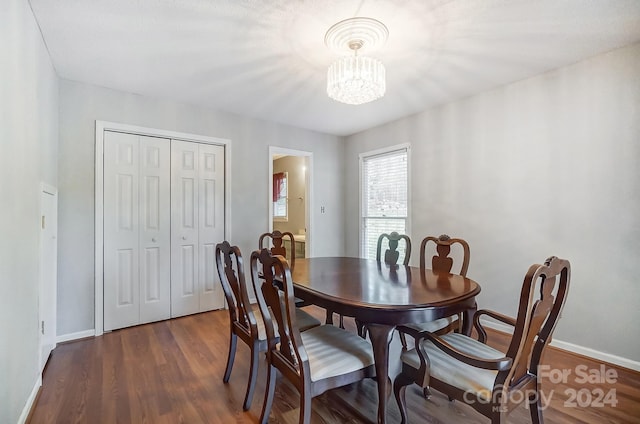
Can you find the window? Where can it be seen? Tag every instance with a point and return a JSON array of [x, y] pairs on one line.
[[384, 193], [280, 196]]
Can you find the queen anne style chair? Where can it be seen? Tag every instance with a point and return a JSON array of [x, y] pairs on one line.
[[492, 382], [244, 321], [314, 361], [277, 246], [391, 255], [441, 262]]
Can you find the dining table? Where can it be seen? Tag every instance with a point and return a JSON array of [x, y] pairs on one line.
[[382, 296]]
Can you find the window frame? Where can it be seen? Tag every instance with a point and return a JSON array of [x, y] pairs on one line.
[[362, 201], [285, 217]]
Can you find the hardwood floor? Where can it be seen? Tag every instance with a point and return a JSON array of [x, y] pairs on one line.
[[171, 372]]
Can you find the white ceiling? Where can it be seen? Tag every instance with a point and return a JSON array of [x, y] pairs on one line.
[[267, 59]]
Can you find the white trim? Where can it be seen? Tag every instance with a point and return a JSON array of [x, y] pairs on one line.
[[101, 127], [378, 152], [75, 336], [574, 348], [30, 401], [310, 222]]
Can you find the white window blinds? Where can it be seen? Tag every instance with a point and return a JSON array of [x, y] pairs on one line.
[[384, 197]]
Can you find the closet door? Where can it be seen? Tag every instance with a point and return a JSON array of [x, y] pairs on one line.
[[184, 228], [211, 229], [197, 224], [136, 229], [155, 230]]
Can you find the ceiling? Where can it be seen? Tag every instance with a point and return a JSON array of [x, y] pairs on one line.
[[267, 59]]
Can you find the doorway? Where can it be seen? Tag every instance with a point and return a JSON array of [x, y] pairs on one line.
[[48, 271], [290, 196]]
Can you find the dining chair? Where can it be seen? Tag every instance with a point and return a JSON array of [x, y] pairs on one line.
[[490, 381], [245, 321], [314, 361], [440, 262], [390, 257], [277, 245], [278, 248], [391, 254]]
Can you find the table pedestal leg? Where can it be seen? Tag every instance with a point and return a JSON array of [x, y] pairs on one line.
[[380, 336], [467, 320]]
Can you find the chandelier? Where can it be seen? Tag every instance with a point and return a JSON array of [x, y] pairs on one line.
[[356, 79]]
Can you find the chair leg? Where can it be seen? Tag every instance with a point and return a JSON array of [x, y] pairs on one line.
[[268, 395], [329, 319], [497, 414], [361, 328], [253, 376], [233, 342], [399, 388], [305, 408], [535, 408], [426, 392]]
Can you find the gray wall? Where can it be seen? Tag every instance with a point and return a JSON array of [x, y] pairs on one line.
[[82, 104], [545, 166], [28, 156]]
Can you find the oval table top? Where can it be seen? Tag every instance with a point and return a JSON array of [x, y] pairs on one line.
[[353, 286]]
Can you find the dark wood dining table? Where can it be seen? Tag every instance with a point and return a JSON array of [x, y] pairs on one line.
[[382, 297]]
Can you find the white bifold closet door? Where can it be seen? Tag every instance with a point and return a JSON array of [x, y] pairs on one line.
[[137, 229], [197, 225]]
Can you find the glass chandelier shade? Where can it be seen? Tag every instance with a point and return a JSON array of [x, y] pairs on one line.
[[355, 80]]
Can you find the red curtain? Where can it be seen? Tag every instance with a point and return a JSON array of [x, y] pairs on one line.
[[277, 185]]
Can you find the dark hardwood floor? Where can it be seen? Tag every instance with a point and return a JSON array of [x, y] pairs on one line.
[[171, 372]]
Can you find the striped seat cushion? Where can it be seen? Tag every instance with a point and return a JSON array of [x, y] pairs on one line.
[[333, 351], [455, 373], [433, 326], [304, 321]]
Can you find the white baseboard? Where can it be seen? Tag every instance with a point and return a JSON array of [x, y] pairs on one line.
[[30, 401], [580, 350], [75, 336]]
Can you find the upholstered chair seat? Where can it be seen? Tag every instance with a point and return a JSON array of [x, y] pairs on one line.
[[305, 321], [333, 351], [446, 368]]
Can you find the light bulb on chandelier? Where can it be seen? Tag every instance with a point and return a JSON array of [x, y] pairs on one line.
[[356, 79]]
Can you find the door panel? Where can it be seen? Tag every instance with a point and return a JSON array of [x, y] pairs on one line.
[[136, 229], [121, 282], [212, 223], [155, 229], [184, 228], [197, 226], [48, 272]]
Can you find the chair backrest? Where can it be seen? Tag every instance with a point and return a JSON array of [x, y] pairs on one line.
[[277, 245], [277, 303], [391, 255], [543, 295], [442, 262], [231, 273]]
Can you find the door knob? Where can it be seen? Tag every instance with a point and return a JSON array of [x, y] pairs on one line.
[[184, 237], [153, 239]]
